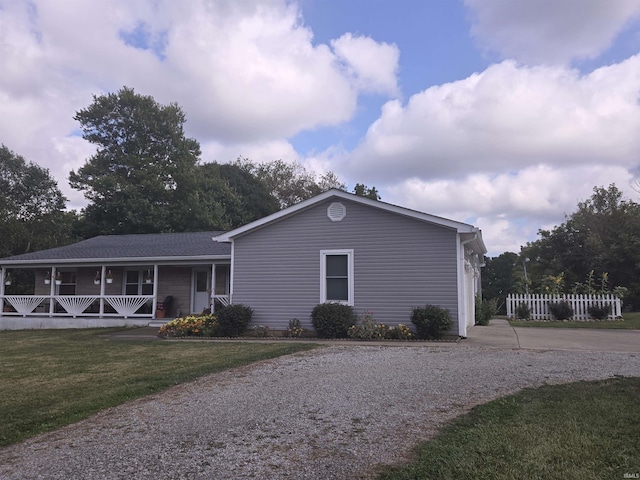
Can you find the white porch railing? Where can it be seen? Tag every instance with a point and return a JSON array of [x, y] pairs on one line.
[[223, 299], [127, 305], [539, 310], [24, 304], [75, 305]]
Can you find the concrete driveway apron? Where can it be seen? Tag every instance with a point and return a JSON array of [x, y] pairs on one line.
[[499, 334]]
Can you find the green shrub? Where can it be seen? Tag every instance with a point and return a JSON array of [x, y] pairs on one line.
[[295, 329], [332, 320], [210, 327], [233, 320], [261, 331], [599, 312], [485, 310], [368, 329], [561, 310], [399, 332], [431, 321], [523, 312]]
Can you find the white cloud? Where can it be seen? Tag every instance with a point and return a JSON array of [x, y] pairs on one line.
[[501, 235], [257, 152], [243, 71], [247, 74], [374, 65], [549, 31], [254, 74], [510, 207], [506, 118]]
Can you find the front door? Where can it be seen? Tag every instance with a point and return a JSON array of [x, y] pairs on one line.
[[201, 290]]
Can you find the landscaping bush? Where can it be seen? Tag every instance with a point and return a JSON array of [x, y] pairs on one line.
[[599, 312], [561, 310], [295, 329], [431, 321], [233, 320], [485, 310], [190, 326], [523, 312], [368, 329], [399, 332], [261, 331], [332, 320]]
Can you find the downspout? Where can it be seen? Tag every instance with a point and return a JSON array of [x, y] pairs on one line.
[[2, 273], [232, 271], [462, 326]]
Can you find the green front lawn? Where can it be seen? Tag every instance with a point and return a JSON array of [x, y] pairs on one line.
[[53, 378], [573, 431], [631, 321]]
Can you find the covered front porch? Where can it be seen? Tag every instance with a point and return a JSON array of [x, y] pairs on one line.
[[118, 293]]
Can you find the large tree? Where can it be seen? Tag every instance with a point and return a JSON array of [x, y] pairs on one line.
[[499, 278], [32, 215], [142, 177], [248, 198], [290, 183], [230, 197], [602, 235]]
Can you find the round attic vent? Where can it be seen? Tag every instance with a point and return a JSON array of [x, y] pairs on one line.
[[336, 212]]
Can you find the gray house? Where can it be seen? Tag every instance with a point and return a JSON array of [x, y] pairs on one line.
[[339, 247], [335, 247]]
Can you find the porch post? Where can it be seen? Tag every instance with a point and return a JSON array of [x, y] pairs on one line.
[[103, 281], [2, 273], [212, 298], [52, 291], [155, 289]]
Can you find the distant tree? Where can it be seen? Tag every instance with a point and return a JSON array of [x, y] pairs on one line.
[[32, 215], [499, 279], [364, 191], [290, 183], [142, 177], [602, 235], [330, 180]]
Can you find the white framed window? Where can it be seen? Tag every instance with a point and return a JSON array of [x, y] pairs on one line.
[[336, 276], [69, 280], [138, 282]]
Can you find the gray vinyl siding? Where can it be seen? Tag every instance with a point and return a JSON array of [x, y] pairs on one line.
[[399, 263]]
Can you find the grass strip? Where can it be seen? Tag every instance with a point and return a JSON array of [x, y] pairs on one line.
[[51, 378], [631, 322], [572, 431]]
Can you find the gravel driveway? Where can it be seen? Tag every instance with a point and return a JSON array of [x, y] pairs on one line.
[[334, 412]]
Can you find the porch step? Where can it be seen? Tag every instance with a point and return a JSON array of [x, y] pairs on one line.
[[157, 323]]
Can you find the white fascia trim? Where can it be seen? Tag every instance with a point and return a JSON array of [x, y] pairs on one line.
[[231, 272], [476, 240], [117, 261], [458, 226], [323, 275]]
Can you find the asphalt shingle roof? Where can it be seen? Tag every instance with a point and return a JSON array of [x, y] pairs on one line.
[[152, 245]]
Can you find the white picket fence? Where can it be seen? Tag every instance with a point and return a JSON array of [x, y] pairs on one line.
[[538, 305]]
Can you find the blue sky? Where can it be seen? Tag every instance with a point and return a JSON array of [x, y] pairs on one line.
[[500, 113], [432, 37]]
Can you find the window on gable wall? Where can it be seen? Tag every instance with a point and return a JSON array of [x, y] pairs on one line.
[[336, 276]]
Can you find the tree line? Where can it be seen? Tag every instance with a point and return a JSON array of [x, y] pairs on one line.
[[596, 249], [145, 177]]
